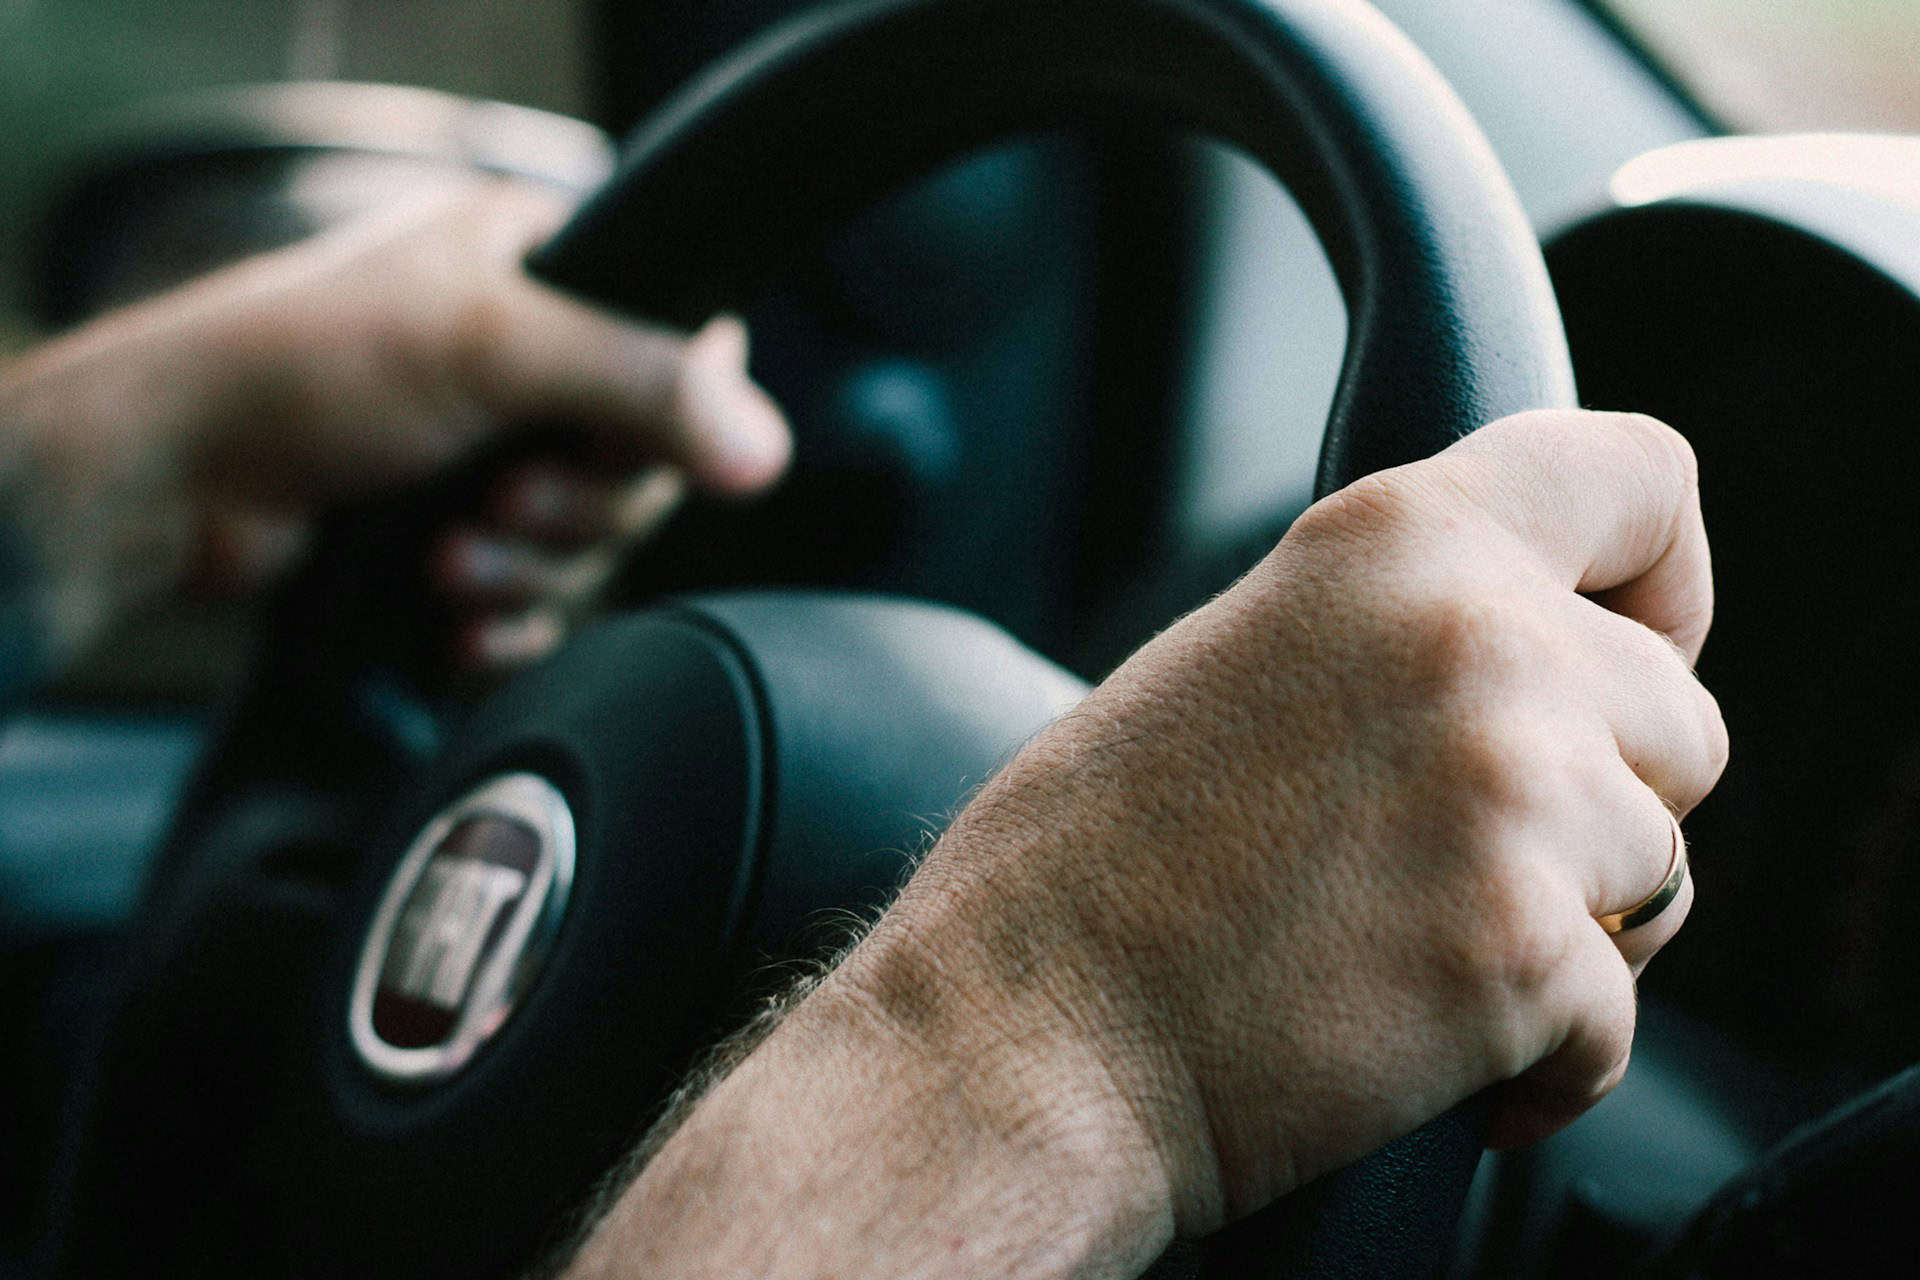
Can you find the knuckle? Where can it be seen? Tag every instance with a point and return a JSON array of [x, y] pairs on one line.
[[1468, 641], [1702, 727], [1699, 739], [1386, 504], [1652, 656], [1510, 950], [1717, 744], [1522, 952], [1496, 768], [1666, 450]]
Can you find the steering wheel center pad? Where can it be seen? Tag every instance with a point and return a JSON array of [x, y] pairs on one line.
[[1453, 321]]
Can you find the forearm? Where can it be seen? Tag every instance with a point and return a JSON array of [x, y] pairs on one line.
[[94, 468], [851, 1144], [198, 433]]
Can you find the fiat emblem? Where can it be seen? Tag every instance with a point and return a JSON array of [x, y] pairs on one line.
[[462, 929]]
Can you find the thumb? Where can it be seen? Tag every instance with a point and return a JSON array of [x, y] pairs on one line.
[[647, 393], [736, 437]]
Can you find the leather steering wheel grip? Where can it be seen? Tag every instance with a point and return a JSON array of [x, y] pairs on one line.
[[1452, 319]]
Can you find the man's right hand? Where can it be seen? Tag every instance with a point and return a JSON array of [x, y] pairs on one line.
[[1322, 860]]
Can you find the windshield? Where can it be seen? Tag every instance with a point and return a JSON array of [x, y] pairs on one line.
[[1790, 64]]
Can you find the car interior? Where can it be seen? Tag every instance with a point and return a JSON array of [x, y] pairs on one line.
[[1064, 357]]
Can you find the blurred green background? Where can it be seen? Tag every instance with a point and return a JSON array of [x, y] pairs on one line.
[[68, 66]]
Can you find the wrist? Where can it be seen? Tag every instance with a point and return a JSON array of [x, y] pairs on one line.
[[94, 482], [1008, 1070], [1061, 958], [893, 1124]]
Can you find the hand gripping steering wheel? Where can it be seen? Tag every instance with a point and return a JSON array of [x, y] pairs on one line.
[[565, 910]]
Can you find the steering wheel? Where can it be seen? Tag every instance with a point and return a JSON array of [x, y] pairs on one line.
[[550, 924]]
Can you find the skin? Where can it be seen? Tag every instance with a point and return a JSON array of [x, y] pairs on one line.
[[1320, 861], [191, 439]]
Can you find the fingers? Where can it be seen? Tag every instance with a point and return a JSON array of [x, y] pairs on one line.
[[1607, 831], [554, 535], [1638, 945], [551, 537], [410, 341], [645, 393], [1609, 502], [563, 505], [1667, 727], [1596, 991], [660, 410], [502, 643], [490, 572], [1630, 838], [537, 354], [511, 600], [1672, 748]]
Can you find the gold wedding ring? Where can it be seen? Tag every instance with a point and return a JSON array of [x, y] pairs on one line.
[[1657, 901]]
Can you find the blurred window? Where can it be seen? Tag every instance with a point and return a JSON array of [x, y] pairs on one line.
[[1782, 65]]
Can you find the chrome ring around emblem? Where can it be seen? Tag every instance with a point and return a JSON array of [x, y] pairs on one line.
[[462, 929]]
